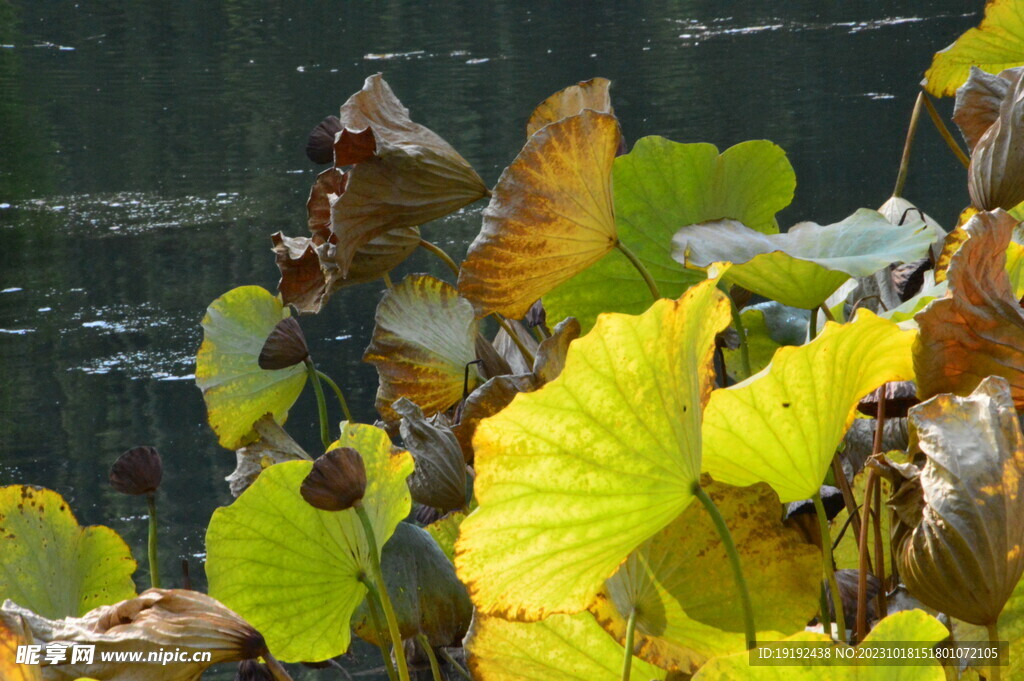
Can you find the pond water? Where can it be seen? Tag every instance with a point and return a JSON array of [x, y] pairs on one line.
[[148, 150]]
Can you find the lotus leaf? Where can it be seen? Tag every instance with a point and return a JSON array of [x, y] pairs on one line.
[[574, 476], [51, 564], [588, 94], [659, 186], [977, 103], [782, 426], [445, 531], [273, 446], [550, 216], [236, 390], [293, 570], [15, 632], [440, 476], [996, 173]]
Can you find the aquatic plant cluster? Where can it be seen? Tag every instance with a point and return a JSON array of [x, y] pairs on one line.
[[694, 436]]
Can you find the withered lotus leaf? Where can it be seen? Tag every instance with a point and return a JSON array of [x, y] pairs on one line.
[[550, 216], [588, 94], [424, 337], [996, 173], [487, 400], [439, 479], [977, 103], [273, 446], [158, 620], [550, 358], [403, 174], [967, 554], [977, 330]]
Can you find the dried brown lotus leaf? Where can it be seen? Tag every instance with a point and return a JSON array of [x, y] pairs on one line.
[[492, 362], [488, 400], [996, 173], [550, 216], [439, 479], [508, 349], [977, 330], [550, 357], [273, 446], [977, 104], [967, 554], [588, 94]]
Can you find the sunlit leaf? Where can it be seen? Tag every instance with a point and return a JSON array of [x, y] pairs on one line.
[[273, 446], [574, 476], [428, 599], [806, 264], [445, 531], [588, 94], [967, 554], [51, 564], [404, 174], [236, 390], [488, 400], [549, 218], [782, 426], [559, 648], [423, 340], [761, 346], [978, 329], [293, 570], [158, 621], [898, 630], [682, 586], [15, 632], [993, 46], [658, 187]]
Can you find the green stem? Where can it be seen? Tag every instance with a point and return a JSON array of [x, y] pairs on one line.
[[648, 279], [337, 392], [435, 670], [627, 657], [321, 402], [996, 673], [737, 321], [828, 313], [812, 329], [439, 252], [826, 621], [947, 136], [734, 560], [154, 563], [826, 561], [385, 598], [373, 600], [455, 663], [901, 176], [387, 281], [523, 350]]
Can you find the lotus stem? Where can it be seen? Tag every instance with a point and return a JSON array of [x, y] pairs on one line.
[[826, 562], [627, 657], [947, 136], [882, 606], [373, 600], [826, 621], [154, 563], [737, 321], [734, 560], [385, 598], [901, 176], [996, 674], [275, 668], [862, 558], [321, 402], [648, 279], [455, 663], [435, 670], [827, 312], [876, 499], [812, 326], [439, 252], [523, 350], [337, 393], [852, 510], [387, 281]]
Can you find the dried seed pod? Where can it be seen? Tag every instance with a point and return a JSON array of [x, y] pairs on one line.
[[336, 482], [320, 145], [285, 346], [252, 670], [137, 471]]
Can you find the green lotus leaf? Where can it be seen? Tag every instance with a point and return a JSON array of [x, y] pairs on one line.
[[236, 390], [53, 566], [559, 648], [423, 340], [659, 186], [445, 531], [683, 589], [993, 46], [574, 476], [906, 627], [782, 426], [427, 596], [761, 346], [293, 570], [804, 266]]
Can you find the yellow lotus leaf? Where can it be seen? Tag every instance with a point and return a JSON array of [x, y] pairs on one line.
[[782, 426], [574, 476], [588, 94], [550, 216], [15, 632]]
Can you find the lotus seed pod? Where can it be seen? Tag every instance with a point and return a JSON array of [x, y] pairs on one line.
[[137, 471], [336, 482], [285, 346]]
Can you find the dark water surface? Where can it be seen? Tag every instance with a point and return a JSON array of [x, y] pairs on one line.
[[148, 150]]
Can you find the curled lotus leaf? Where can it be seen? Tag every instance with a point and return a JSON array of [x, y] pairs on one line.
[[273, 445], [408, 175], [996, 173], [587, 94], [977, 103], [156, 621], [292, 570], [51, 564], [993, 46], [427, 596], [236, 390], [558, 648], [14, 633], [658, 186], [682, 587], [574, 476], [782, 426], [440, 476], [550, 216], [423, 340], [488, 400], [967, 554], [977, 330], [805, 265]]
